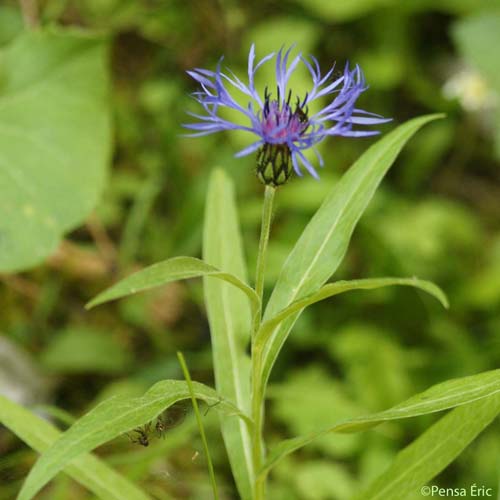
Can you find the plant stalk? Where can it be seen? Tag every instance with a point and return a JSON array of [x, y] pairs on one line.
[[258, 451], [189, 383], [257, 394], [267, 212]]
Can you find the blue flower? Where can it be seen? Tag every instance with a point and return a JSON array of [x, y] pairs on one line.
[[284, 127]]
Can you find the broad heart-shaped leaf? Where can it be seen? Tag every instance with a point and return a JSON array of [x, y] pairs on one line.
[[88, 470], [111, 418], [340, 287], [429, 454], [54, 140], [449, 394], [178, 268], [230, 322], [323, 243]]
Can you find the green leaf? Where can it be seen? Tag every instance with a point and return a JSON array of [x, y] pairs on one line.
[[178, 268], [199, 421], [323, 244], [449, 394], [230, 322], [55, 139], [428, 455], [110, 419], [88, 470], [341, 287]]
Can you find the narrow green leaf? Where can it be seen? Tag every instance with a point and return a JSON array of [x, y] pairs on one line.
[[199, 421], [340, 287], [443, 396], [230, 322], [323, 244], [110, 419], [88, 470], [429, 454], [178, 268], [55, 139]]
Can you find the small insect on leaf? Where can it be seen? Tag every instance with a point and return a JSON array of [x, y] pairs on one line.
[[142, 435], [171, 417], [211, 406]]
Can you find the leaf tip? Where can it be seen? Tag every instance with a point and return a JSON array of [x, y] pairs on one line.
[[96, 301], [90, 304], [434, 116], [445, 301], [441, 296]]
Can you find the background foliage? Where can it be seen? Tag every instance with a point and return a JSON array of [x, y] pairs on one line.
[[436, 216]]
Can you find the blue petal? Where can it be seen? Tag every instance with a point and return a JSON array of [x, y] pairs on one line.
[[249, 149], [306, 164]]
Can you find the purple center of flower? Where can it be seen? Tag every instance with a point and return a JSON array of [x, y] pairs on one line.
[[281, 122]]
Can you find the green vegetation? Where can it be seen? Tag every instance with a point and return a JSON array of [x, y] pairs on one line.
[[374, 393]]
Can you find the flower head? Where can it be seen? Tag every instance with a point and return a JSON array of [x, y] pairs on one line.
[[282, 122]]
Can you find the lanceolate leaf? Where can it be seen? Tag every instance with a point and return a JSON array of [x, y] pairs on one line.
[[88, 470], [449, 394], [110, 419], [178, 268], [55, 140], [428, 455], [321, 247], [230, 322], [341, 287]]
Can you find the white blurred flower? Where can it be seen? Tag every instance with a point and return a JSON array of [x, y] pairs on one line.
[[471, 89]]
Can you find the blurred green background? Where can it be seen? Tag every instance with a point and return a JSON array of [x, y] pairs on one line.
[[436, 216]]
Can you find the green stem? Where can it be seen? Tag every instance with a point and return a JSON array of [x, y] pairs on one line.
[[258, 424], [187, 376], [267, 212], [257, 394]]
